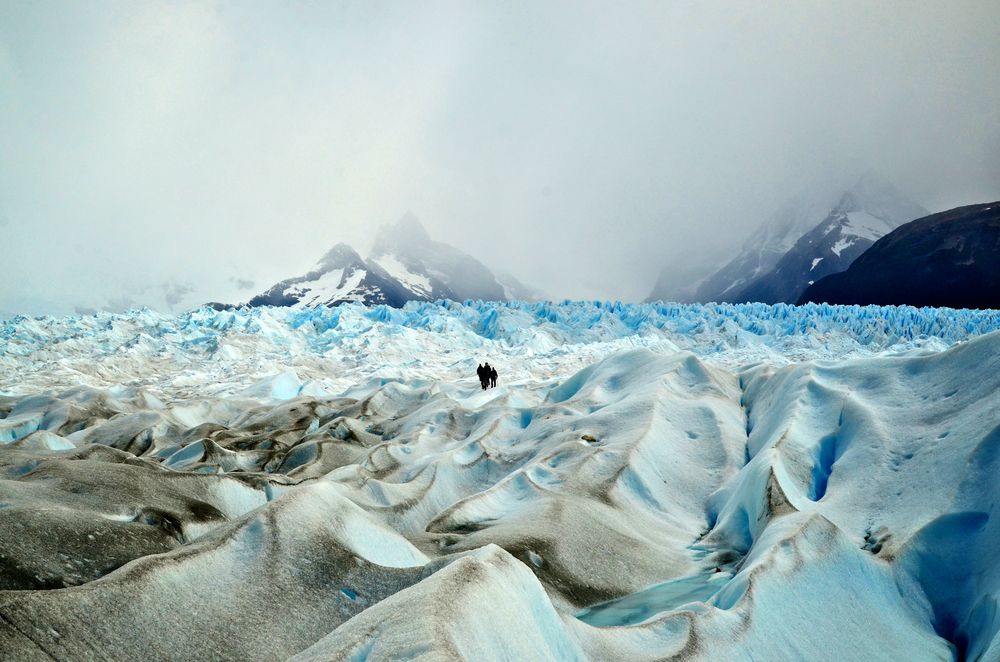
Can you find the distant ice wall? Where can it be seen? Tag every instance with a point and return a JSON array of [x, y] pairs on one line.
[[445, 339]]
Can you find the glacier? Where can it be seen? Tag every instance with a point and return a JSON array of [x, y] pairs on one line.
[[647, 481]]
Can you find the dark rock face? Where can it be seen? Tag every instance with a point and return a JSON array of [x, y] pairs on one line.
[[950, 259]]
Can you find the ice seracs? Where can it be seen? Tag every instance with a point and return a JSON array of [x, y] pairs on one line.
[[291, 351]]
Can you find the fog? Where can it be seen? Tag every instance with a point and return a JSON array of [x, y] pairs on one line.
[[203, 151]]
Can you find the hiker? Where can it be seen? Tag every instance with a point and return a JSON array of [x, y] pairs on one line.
[[487, 371], [493, 377], [481, 371]]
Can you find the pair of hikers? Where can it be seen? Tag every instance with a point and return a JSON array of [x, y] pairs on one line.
[[487, 376]]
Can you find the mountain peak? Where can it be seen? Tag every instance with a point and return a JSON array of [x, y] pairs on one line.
[[405, 265], [876, 195], [338, 257], [870, 180], [808, 238], [407, 232]]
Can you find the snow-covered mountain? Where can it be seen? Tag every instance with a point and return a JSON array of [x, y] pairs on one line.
[[868, 211], [646, 482], [760, 252], [947, 259], [339, 276], [407, 252], [405, 265], [804, 240]]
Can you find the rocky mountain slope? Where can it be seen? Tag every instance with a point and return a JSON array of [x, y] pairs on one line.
[[760, 252], [340, 276], [803, 241], [948, 259], [868, 211]]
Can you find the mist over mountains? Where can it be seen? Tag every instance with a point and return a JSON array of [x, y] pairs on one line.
[[152, 148], [806, 239], [405, 264]]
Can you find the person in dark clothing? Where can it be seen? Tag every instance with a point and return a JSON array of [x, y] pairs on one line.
[[486, 375], [481, 371], [493, 377]]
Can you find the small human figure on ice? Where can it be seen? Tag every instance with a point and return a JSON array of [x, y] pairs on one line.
[[487, 376]]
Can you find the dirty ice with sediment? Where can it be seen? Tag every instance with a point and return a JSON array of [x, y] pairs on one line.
[[720, 482]]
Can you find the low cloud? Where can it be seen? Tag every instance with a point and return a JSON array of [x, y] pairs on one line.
[[580, 146]]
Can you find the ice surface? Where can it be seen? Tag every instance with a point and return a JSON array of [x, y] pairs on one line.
[[646, 482], [332, 350]]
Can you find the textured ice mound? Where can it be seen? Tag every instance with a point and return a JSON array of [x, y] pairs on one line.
[[647, 482]]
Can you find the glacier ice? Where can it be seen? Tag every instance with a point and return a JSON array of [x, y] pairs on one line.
[[331, 350], [646, 482]]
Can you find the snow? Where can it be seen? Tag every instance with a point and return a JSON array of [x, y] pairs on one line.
[[646, 481], [792, 220], [842, 243], [739, 281], [395, 268], [332, 286], [866, 226], [819, 259]]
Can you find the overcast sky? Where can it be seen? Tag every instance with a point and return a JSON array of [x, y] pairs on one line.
[[581, 146]]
